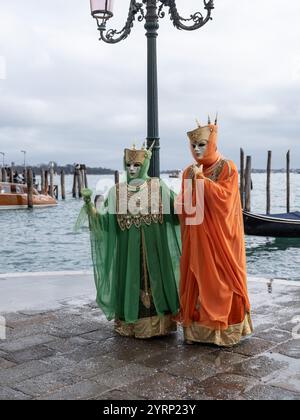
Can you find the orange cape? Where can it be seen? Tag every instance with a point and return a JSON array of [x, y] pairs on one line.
[[213, 287]]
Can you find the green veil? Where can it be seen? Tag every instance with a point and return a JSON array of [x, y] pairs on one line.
[[116, 256]]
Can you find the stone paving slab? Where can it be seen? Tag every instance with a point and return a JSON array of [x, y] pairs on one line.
[[81, 390], [71, 352], [4, 364], [18, 373], [25, 342], [10, 394], [227, 386], [29, 354], [267, 393], [46, 384]]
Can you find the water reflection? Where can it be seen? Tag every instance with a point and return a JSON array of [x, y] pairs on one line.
[[255, 246], [44, 240], [273, 257]]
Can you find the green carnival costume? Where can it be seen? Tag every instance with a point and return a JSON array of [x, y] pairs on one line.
[[135, 241]]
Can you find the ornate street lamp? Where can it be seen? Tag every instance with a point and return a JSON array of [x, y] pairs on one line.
[[150, 11]]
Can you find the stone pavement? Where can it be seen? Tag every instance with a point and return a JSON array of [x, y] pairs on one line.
[[71, 352]]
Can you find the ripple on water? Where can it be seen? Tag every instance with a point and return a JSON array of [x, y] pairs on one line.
[[44, 239]]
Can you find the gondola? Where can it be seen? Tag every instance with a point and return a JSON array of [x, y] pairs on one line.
[[276, 225]]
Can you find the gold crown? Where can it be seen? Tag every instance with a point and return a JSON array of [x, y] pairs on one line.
[[134, 155], [201, 133]]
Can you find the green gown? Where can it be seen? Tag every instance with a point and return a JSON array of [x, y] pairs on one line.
[[136, 259]]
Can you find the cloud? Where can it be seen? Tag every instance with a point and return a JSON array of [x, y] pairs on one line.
[[2, 68], [68, 97]]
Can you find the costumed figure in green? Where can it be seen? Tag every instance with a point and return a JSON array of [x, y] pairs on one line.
[[135, 241]]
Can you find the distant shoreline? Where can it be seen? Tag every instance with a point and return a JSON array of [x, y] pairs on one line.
[[254, 171], [69, 170]]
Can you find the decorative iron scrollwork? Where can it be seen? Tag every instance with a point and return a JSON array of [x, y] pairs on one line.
[[113, 36], [197, 19], [137, 9], [161, 13]]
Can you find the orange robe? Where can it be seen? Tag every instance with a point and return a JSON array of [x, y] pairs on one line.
[[215, 307]]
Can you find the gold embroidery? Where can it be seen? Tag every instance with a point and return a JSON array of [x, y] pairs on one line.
[[147, 202], [200, 133], [228, 338], [215, 171], [214, 176], [135, 156], [146, 293], [146, 298], [147, 327]]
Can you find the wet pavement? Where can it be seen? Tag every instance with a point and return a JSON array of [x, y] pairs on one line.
[[72, 352]]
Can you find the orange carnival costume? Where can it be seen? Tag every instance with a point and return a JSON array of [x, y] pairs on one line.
[[215, 307]]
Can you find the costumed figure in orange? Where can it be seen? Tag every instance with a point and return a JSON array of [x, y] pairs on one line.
[[215, 307]]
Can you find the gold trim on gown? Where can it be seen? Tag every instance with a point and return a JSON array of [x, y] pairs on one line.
[[149, 323], [197, 333], [154, 326], [226, 338]]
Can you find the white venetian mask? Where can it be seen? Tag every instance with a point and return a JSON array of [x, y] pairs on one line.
[[133, 170], [199, 148]]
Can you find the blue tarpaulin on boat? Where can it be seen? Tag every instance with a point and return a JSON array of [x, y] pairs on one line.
[[288, 216]]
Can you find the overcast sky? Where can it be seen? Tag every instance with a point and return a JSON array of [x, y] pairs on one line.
[[67, 97]]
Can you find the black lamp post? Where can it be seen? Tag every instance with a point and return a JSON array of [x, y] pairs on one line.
[[150, 11]]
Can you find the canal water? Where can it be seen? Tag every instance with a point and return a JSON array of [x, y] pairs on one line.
[[44, 239]]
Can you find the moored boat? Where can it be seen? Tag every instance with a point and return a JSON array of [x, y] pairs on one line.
[[285, 225], [176, 174], [14, 196]]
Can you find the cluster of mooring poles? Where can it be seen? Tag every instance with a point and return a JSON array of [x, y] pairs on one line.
[[5, 175], [47, 187], [80, 180], [28, 177], [246, 181]]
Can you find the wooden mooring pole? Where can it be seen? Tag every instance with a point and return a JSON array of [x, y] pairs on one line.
[[29, 177], [11, 174], [269, 170], [117, 177], [288, 182], [42, 181], [51, 182], [74, 189], [84, 176], [79, 182], [248, 184], [63, 184], [4, 175], [242, 177], [25, 176], [46, 183]]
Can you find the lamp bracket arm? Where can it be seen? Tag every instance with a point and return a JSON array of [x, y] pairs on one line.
[[113, 36], [195, 21]]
